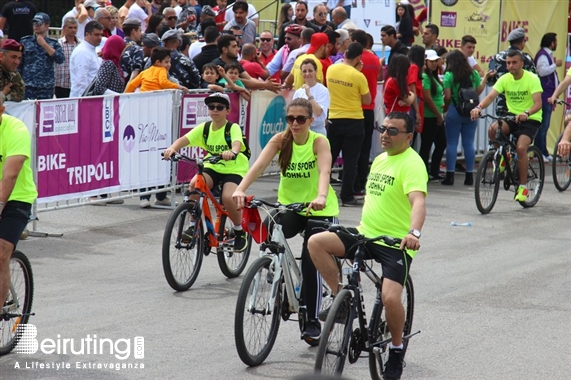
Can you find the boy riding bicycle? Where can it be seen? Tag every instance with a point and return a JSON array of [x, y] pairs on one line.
[[235, 165], [523, 97]]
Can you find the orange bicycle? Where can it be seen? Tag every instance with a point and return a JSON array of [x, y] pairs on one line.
[[190, 234]]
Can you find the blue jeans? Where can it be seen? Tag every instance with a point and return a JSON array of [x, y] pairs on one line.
[[541, 138], [457, 126]]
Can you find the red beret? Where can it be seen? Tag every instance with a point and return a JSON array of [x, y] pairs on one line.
[[12, 45], [294, 29]]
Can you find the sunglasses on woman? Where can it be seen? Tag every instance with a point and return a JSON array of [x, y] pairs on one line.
[[213, 107], [392, 131], [299, 119]]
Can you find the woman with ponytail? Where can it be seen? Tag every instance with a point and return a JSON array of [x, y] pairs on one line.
[[305, 167]]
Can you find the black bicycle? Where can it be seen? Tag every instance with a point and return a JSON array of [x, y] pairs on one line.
[[338, 339], [17, 307], [561, 165], [500, 164]]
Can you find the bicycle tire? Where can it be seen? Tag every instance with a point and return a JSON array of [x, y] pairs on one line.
[[487, 183], [182, 262], [379, 331], [535, 177], [336, 335], [22, 279], [253, 344], [231, 263], [561, 167]]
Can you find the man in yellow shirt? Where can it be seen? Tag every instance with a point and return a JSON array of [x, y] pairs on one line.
[[348, 91]]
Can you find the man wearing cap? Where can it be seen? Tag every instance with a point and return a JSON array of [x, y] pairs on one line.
[[12, 87], [516, 39], [182, 68], [132, 58], [240, 20], [68, 42], [316, 52], [18, 16], [84, 63], [306, 34], [292, 38], [142, 11], [300, 19], [150, 42], [40, 54]]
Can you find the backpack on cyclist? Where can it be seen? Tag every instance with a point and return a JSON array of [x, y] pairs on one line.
[[468, 98], [247, 152]]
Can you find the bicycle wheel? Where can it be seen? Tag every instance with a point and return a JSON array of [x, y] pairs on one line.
[[487, 182], [561, 167], [380, 335], [535, 176], [182, 260], [335, 336], [18, 301], [257, 322], [231, 263]]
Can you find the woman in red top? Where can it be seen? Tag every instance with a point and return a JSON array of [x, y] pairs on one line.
[[397, 96]]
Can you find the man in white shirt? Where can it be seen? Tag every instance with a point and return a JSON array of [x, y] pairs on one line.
[[252, 13], [84, 63], [84, 11], [142, 11], [467, 47]]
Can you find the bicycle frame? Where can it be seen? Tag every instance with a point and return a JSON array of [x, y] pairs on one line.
[[505, 145]]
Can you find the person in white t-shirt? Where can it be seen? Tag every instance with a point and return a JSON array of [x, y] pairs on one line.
[[316, 93], [84, 11], [142, 11], [252, 15], [467, 48]]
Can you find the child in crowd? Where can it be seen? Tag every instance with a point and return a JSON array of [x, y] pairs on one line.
[[155, 77], [233, 72], [215, 78]]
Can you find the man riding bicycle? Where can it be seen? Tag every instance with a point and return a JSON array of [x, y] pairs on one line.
[[394, 206], [17, 190], [235, 165], [564, 147], [523, 97]]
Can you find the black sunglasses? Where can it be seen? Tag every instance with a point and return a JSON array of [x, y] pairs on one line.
[[322, 14], [238, 36], [213, 107], [392, 131], [300, 119], [171, 18], [266, 39]]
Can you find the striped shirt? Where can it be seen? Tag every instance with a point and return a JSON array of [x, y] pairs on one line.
[[62, 69]]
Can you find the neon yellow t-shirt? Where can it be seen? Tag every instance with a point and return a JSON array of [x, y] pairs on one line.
[[301, 180], [519, 93], [15, 141], [569, 72], [346, 84], [298, 76], [217, 144], [387, 209]]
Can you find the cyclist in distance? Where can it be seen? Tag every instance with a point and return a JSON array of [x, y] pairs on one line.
[[17, 190], [523, 98], [394, 206], [564, 146], [235, 166], [305, 166]]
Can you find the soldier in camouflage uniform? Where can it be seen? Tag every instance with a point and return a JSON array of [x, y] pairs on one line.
[[182, 68], [12, 85], [516, 39], [132, 58], [40, 54]]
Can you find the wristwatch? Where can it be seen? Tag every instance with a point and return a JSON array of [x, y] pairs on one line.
[[526, 112], [415, 233]]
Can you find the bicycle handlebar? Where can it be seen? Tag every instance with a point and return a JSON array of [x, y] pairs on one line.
[[295, 207], [213, 159], [361, 239], [499, 118], [562, 102]]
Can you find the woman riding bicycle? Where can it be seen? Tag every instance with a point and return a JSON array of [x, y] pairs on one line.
[[305, 163], [233, 169]]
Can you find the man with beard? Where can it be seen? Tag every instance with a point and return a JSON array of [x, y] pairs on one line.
[[12, 87], [301, 11]]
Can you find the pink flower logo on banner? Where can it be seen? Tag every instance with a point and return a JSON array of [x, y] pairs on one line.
[[49, 115], [129, 138]]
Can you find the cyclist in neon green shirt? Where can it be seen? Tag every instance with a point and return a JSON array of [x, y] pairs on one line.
[[305, 163], [236, 164], [17, 190], [564, 147], [523, 97], [395, 206]]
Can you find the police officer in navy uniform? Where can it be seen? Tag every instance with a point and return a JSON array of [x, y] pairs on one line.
[[183, 68], [132, 58], [12, 87], [40, 54]]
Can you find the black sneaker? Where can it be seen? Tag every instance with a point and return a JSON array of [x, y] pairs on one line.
[[393, 368], [323, 314], [240, 242], [312, 332], [187, 235], [351, 202]]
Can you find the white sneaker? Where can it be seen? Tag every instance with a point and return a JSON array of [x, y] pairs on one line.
[[548, 158], [145, 203], [164, 202]]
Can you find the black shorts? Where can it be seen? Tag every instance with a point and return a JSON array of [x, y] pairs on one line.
[[13, 220], [221, 179], [395, 263], [528, 128]]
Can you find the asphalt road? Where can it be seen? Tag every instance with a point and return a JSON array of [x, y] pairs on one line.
[[493, 301]]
